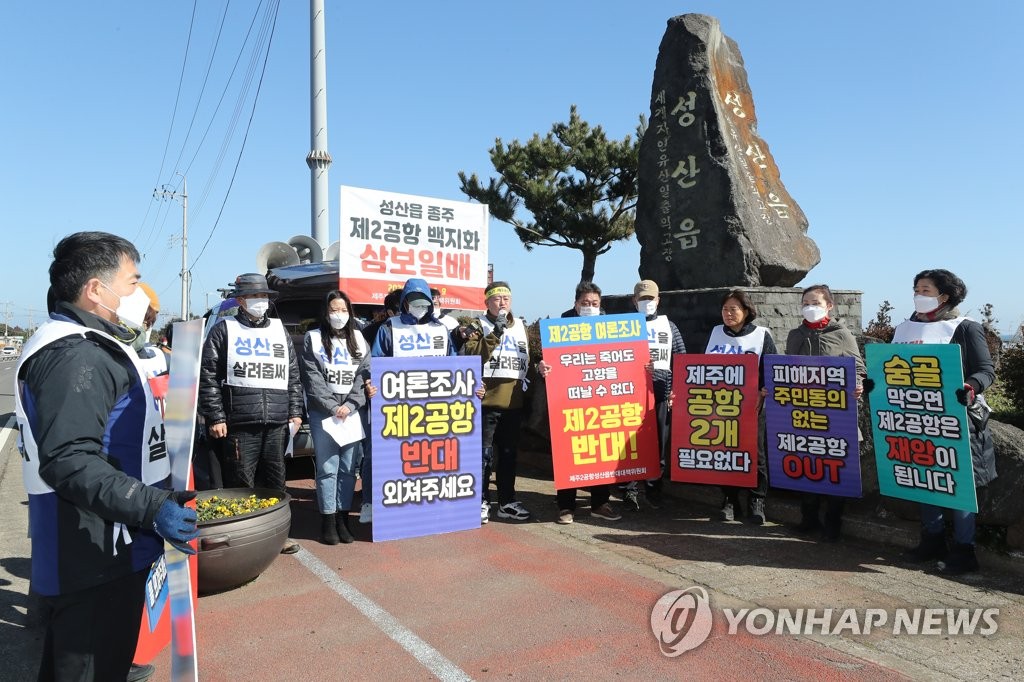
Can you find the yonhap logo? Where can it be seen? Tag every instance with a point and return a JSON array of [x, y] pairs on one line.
[[681, 620]]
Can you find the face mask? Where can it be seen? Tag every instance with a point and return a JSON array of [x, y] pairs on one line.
[[589, 311], [131, 309], [140, 340], [926, 304], [647, 308], [257, 307], [814, 313], [338, 320], [419, 310]]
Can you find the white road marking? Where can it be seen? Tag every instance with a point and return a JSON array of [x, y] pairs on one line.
[[430, 657]]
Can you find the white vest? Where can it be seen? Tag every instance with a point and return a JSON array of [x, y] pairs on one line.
[[720, 342], [659, 338], [257, 357], [511, 358], [156, 364], [940, 331], [340, 370], [418, 340], [448, 321], [155, 468]]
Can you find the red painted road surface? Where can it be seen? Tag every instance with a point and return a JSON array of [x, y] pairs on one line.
[[503, 602]]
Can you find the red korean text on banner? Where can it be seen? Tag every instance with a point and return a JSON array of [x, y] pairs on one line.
[[388, 238], [714, 419], [600, 400]]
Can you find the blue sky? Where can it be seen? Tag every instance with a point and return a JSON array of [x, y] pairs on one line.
[[894, 126]]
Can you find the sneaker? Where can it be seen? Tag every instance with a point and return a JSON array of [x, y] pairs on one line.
[[290, 547], [513, 510], [728, 512], [605, 512], [485, 513], [632, 500], [366, 513], [960, 559], [565, 517], [757, 516], [140, 673]]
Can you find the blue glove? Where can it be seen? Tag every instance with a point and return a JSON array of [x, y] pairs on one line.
[[177, 523]]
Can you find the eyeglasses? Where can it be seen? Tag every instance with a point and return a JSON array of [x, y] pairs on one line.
[[731, 309]]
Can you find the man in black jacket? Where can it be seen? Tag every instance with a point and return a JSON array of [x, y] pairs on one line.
[[95, 463], [249, 390]]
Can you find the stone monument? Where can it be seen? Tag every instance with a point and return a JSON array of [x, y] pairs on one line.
[[712, 211]]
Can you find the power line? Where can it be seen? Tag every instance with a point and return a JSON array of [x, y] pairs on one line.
[[177, 97], [248, 127]]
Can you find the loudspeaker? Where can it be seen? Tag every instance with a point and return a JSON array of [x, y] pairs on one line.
[[333, 251], [308, 248], [275, 255]]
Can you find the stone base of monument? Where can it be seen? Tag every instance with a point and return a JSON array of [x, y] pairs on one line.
[[697, 311]]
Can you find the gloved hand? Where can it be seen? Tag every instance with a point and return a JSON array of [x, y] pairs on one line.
[[868, 384], [965, 395], [177, 523], [500, 323]]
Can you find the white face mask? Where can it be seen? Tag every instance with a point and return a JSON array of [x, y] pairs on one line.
[[419, 309], [814, 313], [257, 307], [647, 308], [589, 311], [131, 309], [338, 320], [926, 304]]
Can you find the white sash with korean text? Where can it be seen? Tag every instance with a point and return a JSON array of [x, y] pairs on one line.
[[156, 466], [418, 340], [659, 338], [720, 342], [339, 370], [940, 331], [511, 358], [257, 357]]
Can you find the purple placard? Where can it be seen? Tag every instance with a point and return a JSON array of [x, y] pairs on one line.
[[425, 424], [811, 414]]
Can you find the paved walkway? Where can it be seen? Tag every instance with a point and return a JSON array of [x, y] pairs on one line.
[[543, 601]]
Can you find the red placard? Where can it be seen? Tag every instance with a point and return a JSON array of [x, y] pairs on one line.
[[600, 400], [714, 419]]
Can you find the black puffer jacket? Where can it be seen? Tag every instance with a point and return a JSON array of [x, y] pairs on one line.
[[220, 402]]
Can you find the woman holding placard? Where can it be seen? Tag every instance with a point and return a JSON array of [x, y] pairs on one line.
[[822, 334], [739, 334], [936, 319], [335, 366]]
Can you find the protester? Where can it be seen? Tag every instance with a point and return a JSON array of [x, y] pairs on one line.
[[739, 334], [98, 501], [823, 334], [936, 319], [501, 340], [665, 341], [587, 304], [249, 390], [416, 320], [392, 302], [335, 367]]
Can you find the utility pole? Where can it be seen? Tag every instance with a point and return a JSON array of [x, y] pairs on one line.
[[166, 193], [318, 159], [7, 317]]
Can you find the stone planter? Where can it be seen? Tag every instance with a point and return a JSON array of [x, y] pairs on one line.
[[235, 550]]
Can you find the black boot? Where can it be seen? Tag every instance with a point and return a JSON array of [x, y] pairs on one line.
[[833, 519], [328, 532], [342, 527], [960, 560], [808, 515], [932, 546]]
